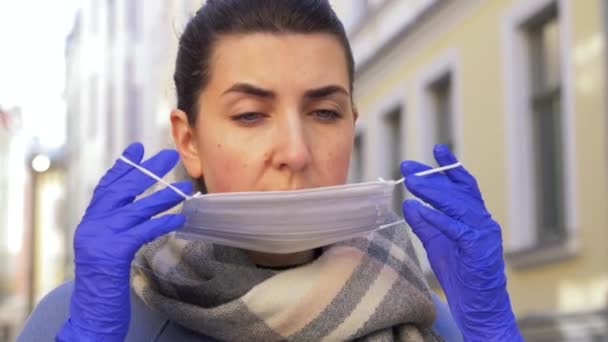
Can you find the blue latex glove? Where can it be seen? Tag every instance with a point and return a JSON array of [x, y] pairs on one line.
[[464, 247], [113, 228]]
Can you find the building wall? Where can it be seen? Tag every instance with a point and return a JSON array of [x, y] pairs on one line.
[[469, 35], [12, 222]]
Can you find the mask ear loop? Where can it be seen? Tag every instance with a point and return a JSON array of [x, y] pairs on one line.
[[181, 193], [431, 171], [391, 224], [422, 173], [155, 177]]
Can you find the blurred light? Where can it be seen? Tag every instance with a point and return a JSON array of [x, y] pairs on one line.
[[41, 163]]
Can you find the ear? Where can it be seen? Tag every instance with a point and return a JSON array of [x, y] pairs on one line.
[[184, 137]]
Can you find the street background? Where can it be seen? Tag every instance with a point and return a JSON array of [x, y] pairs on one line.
[[517, 88]]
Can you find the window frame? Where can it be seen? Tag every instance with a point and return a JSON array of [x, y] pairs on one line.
[[523, 248], [390, 165], [447, 64], [378, 151], [434, 92]]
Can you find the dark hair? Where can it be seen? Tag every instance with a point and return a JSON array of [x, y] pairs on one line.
[[220, 17]]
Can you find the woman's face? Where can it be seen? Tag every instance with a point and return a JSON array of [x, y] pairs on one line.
[[276, 114]]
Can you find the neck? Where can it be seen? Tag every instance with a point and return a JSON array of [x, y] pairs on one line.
[[281, 260]]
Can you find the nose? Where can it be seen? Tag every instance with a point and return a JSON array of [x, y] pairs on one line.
[[292, 149]]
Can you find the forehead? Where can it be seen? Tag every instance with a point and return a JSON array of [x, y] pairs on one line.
[[279, 60]]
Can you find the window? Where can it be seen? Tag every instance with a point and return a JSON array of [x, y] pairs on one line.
[[545, 110], [441, 110], [392, 129], [539, 133], [438, 105], [437, 110], [356, 169]]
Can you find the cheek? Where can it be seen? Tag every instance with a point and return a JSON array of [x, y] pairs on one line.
[[225, 170], [218, 179], [336, 158], [225, 175], [340, 164]]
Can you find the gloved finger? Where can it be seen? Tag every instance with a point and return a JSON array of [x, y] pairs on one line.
[[158, 202], [124, 190], [460, 175], [135, 182], [437, 189], [133, 152], [425, 231], [155, 228], [453, 229], [410, 167], [447, 197]]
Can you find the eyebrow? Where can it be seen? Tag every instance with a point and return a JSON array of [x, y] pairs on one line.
[[325, 92], [317, 93]]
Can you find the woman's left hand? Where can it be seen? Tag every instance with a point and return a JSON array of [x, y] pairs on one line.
[[464, 247]]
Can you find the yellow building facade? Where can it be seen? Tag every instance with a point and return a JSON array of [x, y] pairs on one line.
[[518, 89]]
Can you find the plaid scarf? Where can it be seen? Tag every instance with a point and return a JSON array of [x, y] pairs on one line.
[[368, 288]]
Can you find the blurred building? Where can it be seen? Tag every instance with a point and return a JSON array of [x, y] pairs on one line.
[[120, 58], [31, 222], [13, 292], [517, 88], [8, 141], [45, 247]]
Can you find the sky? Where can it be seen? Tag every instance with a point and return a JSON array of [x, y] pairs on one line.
[[32, 70]]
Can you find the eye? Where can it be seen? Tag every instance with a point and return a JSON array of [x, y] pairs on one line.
[[249, 119], [327, 115]]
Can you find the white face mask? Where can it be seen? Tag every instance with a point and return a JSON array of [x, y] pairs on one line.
[[289, 221]]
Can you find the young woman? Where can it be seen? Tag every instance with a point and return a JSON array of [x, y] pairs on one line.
[[264, 90]]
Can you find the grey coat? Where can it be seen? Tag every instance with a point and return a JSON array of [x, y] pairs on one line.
[[148, 325]]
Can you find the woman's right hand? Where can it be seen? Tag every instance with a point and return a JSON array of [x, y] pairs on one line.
[[113, 228]]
